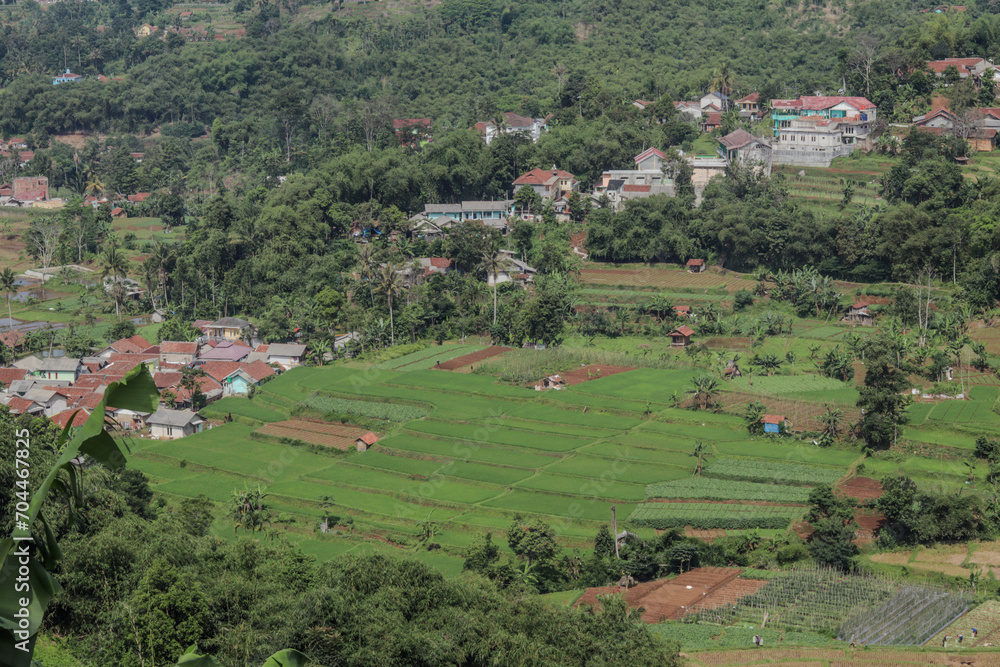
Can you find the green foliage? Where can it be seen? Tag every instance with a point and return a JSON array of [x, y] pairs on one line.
[[773, 472], [375, 410], [707, 488], [664, 516]]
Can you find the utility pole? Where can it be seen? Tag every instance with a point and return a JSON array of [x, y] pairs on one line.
[[614, 529]]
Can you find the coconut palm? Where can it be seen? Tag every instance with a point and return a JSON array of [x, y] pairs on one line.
[[494, 260], [162, 254], [706, 388], [115, 264], [723, 79], [390, 283], [94, 184], [8, 283]]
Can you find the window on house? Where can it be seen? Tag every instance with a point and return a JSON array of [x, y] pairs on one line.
[[803, 137], [814, 139], [170, 430]]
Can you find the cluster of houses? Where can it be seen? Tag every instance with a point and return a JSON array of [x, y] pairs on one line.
[[67, 389]]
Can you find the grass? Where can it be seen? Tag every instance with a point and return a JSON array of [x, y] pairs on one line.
[[242, 407], [581, 486], [708, 488]]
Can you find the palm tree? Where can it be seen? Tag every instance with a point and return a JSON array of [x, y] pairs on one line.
[[493, 260], [831, 421], [390, 283], [8, 284], [723, 79], [706, 388], [162, 254], [114, 264], [94, 184]]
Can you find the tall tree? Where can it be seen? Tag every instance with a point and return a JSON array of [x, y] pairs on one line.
[[493, 260], [391, 283], [8, 284], [114, 264]]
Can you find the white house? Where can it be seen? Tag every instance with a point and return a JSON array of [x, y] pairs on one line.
[[172, 424], [286, 355]]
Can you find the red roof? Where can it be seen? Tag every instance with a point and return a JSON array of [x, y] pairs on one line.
[[859, 304], [164, 380], [131, 345], [206, 383], [695, 262], [819, 103], [117, 210], [684, 330], [263, 347], [646, 153], [749, 99], [401, 123], [139, 197], [258, 370], [713, 119], [91, 400], [8, 375], [220, 370], [963, 65], [12, 338], [19, 405], [369, 438], [682, 309], [440, 262], [542, 176], [178, 347], [772, 419], [77, 415], [636, 188]]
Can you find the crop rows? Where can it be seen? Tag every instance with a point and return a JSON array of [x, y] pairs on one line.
[[663, 516], [372, 409], [912, 616], [499, 435], [707, 488], [776, 472], [429, 356]]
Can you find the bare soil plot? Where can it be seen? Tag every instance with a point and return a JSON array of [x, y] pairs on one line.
[[665, 277], [319, 433], [475, 357], [731, 592], [862, 488], [707, 534], [667, 598], [750, 656], [592, 372]]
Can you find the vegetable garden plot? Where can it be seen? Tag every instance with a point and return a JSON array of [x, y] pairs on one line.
[[663, 516], [620, 470], [374, 409], [485, 473], [778, 449], [535, 502], [310, 437], [499, 435], [582, 486], [985, 618], [707, 488], [912, 616], [773, 472], [784, 384], [467, 451], [434, 353]]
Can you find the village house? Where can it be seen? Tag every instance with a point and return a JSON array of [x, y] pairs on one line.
[[178, 353], [52, 401], [714, 101], [548, 184], [237, 378], [689, 110], [858, 313], [73, 417], [133, 345], [365, 441], [26, 189], [66, 77], [23, 406], [471, 210], [228, 328], [60, 368], [967, 68], [9, 376], [773, 423], [167, 424], [512, 270], [224, 350], [711, 121], [286, 355], [512, 123], [980, 127], [422, 228], [812, 131], [145, 30], [750, 107], [741, 147], [695, 265], [681, 336]]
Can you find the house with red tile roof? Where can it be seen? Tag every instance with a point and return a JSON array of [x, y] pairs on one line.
[[365, 441], [19, 406], [966, 67], [695, 265], [749, 106], [681, 336], [412, 131], [547, 183], [139, 197], [8, 375], [131, 345], [74, 417], [209, 386]]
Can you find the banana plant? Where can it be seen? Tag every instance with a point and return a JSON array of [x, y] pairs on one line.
[[24, 565]]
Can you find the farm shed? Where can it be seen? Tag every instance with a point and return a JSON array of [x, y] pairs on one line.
[[858, 313], [681, 336], [773, 423], [551, 382], [682, 311], [695, 265], [364, 442]]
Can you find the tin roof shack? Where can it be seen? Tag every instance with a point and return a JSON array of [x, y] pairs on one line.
[[858, 313], [551, 382], [773, 423], [681, 336]]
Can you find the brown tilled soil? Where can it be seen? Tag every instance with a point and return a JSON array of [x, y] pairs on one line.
[[704, 534], [862, 488], [667, 598], [592, 372], [730, 593], [475, 357]]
